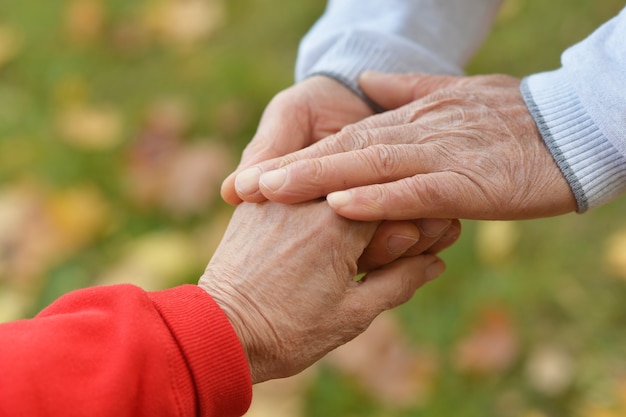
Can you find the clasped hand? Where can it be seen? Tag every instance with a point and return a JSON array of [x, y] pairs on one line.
[[454, 147], [284, 276]]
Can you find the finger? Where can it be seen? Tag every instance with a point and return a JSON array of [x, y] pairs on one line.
[[400, 239], [259, 149], [387, 128], [313, 178], [393, 284], [435, 236], [431, 230], [247, 182], [448, 238], [436, 195], [390, 241], [391, 91], [280, 132]]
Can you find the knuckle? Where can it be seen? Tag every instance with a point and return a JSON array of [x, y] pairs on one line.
[[357, 139], [421, 193], [283, 161], [316, 171], [383, 160]]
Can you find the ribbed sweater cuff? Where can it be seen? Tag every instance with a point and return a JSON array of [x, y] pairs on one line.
[[594, 168], [361, 51], [211, 349]]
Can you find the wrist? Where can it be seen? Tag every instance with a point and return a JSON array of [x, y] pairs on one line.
[[251, 329], [351, 86]]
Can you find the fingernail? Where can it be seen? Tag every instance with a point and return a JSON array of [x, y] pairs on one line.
[[247, 181], [338, 199], [434, 270], [397, 245], [433, 227], [273, 180]]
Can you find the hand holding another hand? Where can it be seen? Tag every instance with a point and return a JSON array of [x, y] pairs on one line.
[[305, 114], [455, 147], [295, 118], [284, 276]]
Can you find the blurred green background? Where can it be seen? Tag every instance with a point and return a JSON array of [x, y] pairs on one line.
[[118, 121]]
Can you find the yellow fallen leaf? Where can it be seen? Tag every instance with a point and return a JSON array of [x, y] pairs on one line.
[[10, 44], [91, 128], [84, 20], [509, 10], [186, 22], [13, 304], [79, 215], [615, 254], [155, 261], [496, 241], [600, 411], [28, 240]]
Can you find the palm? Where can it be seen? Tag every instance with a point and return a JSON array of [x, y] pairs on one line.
[[296, 118]]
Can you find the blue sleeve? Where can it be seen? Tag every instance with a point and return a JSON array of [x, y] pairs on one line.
[[580, 109], [397, 36]]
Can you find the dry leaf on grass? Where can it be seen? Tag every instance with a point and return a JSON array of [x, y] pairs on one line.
[[491, 346], [164, 171], [10, 44], [615, 254], [386, 365], [79, 214], [184, 182], [39, 227], [185, 22], [282, 397], [496, 241], [154, 262], [550, 370], [84, 20], [27, 237], [193, 179], [91, 128], [14, 304]]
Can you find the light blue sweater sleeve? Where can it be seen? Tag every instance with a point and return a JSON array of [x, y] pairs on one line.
[[436, 36], [580, 109]]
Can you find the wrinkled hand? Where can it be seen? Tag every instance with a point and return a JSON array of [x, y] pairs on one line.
[[284, 276], [295, 118], [308, 112], [466, 147]]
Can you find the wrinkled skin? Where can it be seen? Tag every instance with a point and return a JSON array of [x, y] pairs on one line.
[[284, 276], [294, 119], [303, 115], [454, 147]]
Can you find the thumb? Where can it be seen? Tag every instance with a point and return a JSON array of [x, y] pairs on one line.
[[391, 91], [281, 131]]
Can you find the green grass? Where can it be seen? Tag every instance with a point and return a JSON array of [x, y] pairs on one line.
[[554, 285]]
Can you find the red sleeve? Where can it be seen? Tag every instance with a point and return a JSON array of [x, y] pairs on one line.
[[120, 351]]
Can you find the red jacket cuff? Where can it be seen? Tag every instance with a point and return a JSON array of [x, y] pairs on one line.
[[212, 351]]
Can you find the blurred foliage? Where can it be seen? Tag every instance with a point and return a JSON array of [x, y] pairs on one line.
[[119, 119]]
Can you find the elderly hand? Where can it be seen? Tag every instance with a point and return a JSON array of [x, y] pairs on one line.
[[466, 147], [306, 113], [284, 276], [295, 118]]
